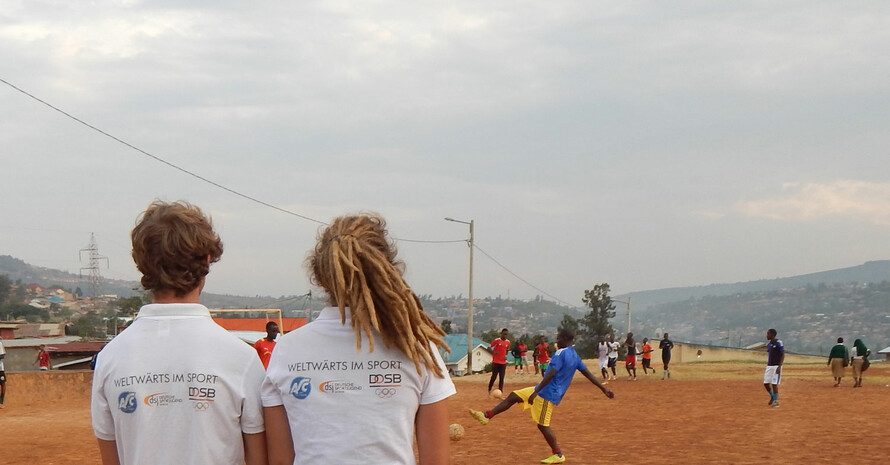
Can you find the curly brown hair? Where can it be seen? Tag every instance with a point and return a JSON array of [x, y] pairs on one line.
[[356, 265], [171, 246]]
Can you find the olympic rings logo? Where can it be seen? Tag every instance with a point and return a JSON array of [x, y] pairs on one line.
[[385, 393], [201, 406]]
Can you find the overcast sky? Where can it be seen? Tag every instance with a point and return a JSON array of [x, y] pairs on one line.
[[643, 144]]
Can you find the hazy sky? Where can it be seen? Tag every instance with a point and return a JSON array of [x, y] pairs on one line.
[[643, 144]]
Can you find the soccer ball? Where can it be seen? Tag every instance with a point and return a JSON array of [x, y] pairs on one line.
[[497, 394], [456, 432]]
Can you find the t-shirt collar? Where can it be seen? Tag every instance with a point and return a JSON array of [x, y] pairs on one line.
[[163, 310], [331, 313]]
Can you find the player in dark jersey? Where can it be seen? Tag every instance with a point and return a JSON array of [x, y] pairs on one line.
[[775, 351], [666, 345]]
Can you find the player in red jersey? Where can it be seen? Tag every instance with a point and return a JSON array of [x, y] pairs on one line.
[[543, 356], [499, 348], [266, 345]]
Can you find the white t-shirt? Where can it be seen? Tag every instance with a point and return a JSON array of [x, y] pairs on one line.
[[348, 406], [602, 349], [2, 352], [614, 349], [176, 388]]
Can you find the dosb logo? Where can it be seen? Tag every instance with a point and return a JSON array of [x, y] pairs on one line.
[[300, 387], [201, 393], [127, 402], [386, 379]]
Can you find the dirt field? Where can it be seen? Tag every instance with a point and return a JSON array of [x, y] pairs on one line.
[[706, 414]]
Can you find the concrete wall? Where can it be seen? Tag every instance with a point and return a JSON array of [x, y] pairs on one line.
[[22, 358], [49, 386]]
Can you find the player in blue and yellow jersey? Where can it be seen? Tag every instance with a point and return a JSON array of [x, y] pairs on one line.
[[541, 399]]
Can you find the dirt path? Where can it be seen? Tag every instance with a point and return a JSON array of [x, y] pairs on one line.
[[706, 414]]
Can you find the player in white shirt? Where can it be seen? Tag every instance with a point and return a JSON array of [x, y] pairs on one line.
[[613, 354], [364, 382], [2, 374], [174, 387], [602, 352]]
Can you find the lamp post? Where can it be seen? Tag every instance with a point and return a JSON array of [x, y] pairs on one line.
[[470, 310], [628, 310]]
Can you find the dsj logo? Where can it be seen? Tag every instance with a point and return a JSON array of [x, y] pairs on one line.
[[385, 379], [160, 399], [300, 387], [127, 402], [201, 393]]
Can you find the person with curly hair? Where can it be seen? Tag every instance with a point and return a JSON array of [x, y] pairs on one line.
[[175, 387]]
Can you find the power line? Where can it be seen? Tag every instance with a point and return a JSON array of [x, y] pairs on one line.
[[193, 174], [558, 300], [161, 160]]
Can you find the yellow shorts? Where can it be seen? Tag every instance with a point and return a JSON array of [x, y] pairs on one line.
[[540, 410]]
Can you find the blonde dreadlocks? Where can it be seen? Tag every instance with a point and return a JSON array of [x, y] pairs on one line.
[[357, 266]]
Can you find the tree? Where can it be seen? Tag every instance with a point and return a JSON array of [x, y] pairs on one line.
[[5, 287], [568, 322], [446, 326], [128, 306], [595, 323]]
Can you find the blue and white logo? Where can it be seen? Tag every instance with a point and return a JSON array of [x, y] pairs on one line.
[[300, 387], [127, 402]]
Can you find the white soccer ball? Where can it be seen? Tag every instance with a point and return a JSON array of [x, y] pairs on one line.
[[456, 432]]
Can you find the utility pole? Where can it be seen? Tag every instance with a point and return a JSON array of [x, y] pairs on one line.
[[94, 258]]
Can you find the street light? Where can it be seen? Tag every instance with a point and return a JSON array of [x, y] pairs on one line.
[[470, 310], [628, 310]]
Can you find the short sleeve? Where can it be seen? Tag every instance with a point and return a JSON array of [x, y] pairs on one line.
[[252, 408], [100, 411], [434, 388], [557, 361]]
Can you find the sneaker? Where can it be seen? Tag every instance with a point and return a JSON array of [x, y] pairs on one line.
[[555, 458], [480, 417], [775, 403], [771, 402]]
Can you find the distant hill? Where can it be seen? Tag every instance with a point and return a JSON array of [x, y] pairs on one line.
[[869, 272], [810, 310], [17, 269]]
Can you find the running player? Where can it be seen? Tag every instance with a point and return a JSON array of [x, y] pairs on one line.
[[602, 352], [666, 345], [630, 360], [646, 350], [543, 398], [775, 351], [613, 354]]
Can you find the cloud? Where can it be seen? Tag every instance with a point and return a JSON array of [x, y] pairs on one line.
[[803, 202]]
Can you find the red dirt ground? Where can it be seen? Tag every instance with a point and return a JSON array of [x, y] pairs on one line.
[[708, 413]]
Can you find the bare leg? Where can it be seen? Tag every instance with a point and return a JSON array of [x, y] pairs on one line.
[[505, 404], [549, 437]]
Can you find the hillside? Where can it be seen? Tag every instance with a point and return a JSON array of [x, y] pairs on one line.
[[810, 311], [869, 272], [809, 318]]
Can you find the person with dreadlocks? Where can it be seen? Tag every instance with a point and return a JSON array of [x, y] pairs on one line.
[[364, 380]]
